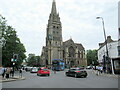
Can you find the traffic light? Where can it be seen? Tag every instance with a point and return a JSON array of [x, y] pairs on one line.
[[15, 57]]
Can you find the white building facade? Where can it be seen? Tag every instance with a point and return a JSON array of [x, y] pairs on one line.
[[112, 53]]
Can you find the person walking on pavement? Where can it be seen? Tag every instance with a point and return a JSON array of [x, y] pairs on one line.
[[3, 70], [101, 70], [54, 70], [12, 72], [7, 72], [20, 72], [104, 69], [98, 71]]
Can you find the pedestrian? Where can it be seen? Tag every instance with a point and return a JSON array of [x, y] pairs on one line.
[[12, 73], [110, 70], [104, 69], [20, 72], [54, 70], [98, 71], [7, 72], [3, 70]]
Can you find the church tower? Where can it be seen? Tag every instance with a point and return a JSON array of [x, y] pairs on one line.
[[72, 53], [54, 41]]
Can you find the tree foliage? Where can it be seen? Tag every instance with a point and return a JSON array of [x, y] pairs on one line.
[[11, 44], [33, 60], [92, 57]]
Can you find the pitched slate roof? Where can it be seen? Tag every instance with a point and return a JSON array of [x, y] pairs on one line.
[[109, 40], [80, 46], [70, 41]]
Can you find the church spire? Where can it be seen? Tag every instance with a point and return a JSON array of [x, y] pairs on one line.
[[53, 11]]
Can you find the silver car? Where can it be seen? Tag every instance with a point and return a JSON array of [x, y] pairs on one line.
[[34, 70]]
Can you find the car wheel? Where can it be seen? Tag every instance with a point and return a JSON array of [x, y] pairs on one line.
[[85, 76], [76, 75], [37, 74], [67, 74], [48, 74]]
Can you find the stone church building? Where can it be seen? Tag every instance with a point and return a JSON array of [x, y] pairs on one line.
[[72, 53]]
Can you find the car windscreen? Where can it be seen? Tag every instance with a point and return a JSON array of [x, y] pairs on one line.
[[45, 69], [73, 69], [34, 68], [77, 69]]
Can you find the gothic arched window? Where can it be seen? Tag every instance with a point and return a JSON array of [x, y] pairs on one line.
[[63, 54], [78, 54], [71, 51]]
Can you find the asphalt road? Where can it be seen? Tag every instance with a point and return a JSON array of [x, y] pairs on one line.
[[59, 80]]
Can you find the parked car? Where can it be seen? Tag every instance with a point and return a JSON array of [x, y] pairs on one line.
[[76, 72], [34, 70], [95, 67], [43, 71], [81, 67], [28, 68], [89, 67]]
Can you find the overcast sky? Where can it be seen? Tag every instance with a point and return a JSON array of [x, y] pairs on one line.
[[78, 17]]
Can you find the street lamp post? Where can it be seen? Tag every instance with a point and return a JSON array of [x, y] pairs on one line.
[[107, 55]]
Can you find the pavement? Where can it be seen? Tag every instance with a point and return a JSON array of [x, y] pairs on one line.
[[110, 75], [107, 75], [11, 79]]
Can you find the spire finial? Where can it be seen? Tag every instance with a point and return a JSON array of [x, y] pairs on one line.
[[54, 11], [70, 37]]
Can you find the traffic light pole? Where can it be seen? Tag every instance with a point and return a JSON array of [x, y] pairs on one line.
[[13, 69], [14, 56]]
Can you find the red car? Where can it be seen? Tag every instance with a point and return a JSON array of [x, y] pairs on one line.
[[43, 71]]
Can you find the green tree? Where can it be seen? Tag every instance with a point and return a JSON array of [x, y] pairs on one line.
[[92, 57], [38, 60], [11, 44], [33, 60]]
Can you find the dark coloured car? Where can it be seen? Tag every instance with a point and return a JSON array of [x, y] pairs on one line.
[[76, 72]]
